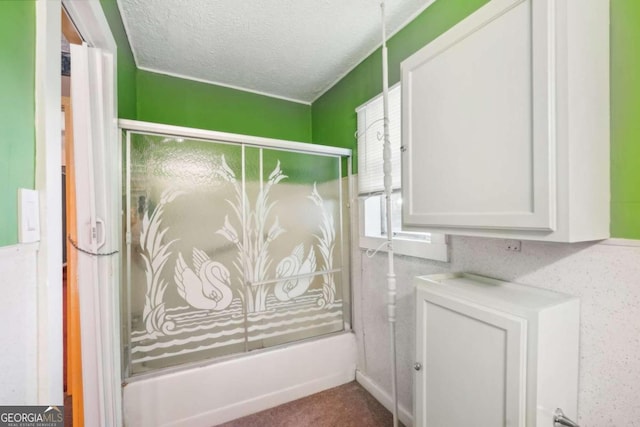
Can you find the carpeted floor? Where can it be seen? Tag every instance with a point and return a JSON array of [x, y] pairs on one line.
[[346, 406]]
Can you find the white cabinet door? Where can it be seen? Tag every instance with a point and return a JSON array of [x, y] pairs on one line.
[[473, 365], [493, 353], [478, 126]]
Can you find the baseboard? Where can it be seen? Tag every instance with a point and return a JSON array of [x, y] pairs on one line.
[[404, 415]]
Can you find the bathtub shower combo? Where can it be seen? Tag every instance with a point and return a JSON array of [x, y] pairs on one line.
[[233, 244]]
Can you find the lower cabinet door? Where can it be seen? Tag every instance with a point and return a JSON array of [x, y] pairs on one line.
[[471, 364]]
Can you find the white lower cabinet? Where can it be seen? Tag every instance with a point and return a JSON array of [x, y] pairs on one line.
[[491, 353]]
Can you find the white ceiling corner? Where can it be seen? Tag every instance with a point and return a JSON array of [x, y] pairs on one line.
[[290, 49]]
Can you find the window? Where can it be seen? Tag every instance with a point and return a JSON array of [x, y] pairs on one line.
[[372, 205]]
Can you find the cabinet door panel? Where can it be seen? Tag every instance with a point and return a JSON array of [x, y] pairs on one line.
[[455, 340], [476, 124]]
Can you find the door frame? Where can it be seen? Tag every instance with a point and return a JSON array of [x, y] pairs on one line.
[[47, 182], [92, 24]]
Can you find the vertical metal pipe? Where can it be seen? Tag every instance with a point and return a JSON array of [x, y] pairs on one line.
[[391, 276], [247, 278], [346, 322]]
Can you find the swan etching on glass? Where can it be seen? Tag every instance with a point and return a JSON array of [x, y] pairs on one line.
[[294, 265], [206, 288]]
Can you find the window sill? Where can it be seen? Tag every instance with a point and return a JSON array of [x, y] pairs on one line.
[[436, 250]]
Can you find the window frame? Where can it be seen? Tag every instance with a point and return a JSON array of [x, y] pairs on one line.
[[436, 248]]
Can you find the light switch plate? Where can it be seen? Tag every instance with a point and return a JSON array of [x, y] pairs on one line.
[[28, 216]]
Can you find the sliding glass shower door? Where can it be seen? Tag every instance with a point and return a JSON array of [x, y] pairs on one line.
[[231, 247]]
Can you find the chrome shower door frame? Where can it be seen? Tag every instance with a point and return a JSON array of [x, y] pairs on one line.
[[127, 127]]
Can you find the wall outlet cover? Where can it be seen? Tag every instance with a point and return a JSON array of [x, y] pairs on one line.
[[513, 245]]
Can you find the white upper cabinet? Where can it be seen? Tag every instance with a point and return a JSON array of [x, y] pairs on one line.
[[506, 124]]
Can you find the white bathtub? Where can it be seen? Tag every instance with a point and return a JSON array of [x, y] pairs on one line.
[[216, 393]]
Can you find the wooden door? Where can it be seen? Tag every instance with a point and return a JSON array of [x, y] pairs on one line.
[[73, 360]]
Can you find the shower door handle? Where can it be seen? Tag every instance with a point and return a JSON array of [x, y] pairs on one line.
[[559, 419]]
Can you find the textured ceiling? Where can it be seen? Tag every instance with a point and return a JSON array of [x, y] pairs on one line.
[[293, 49]]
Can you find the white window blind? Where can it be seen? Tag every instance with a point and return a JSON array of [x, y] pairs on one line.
[[371, 139]]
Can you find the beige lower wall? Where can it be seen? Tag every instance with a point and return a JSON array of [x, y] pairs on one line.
[[19, 325]]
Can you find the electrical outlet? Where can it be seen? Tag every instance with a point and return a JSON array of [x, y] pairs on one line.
[[513, 245]]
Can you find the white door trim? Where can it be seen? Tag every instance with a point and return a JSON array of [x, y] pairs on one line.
[[89, 17], [48, 183], [91, 23]]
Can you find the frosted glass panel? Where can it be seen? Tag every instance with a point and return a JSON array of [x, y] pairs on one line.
[[232, 248], [301, 275], [181, 301]]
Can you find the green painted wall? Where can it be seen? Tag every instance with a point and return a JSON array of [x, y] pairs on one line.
[[126, 64], [166, 99], [334, 118], [17, 109], [170, 100], [153, 97], [625, 119], [333, 114]]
